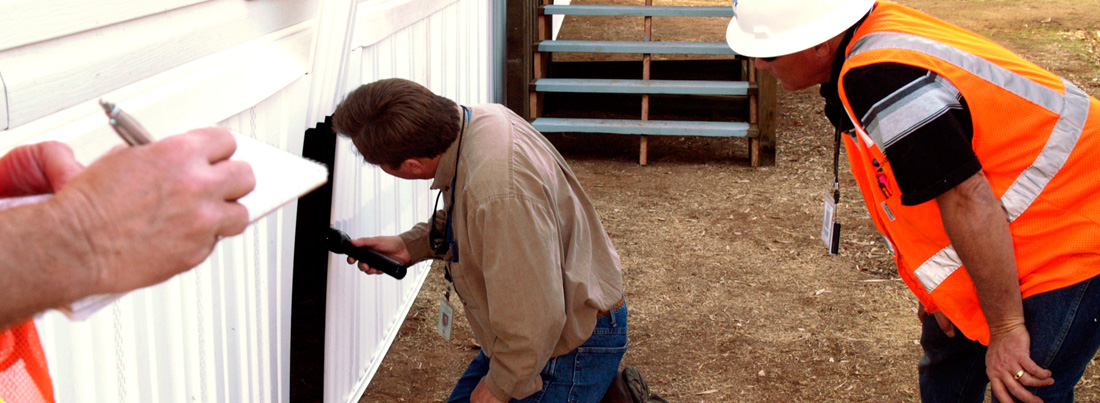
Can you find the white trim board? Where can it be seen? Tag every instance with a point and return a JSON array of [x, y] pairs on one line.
[[202, 92], [40, 20], [3, 104], [49, 76], [377, 20]]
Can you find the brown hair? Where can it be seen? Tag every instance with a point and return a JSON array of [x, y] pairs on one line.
[[394, 119]]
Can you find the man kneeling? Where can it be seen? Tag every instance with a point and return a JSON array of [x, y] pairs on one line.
[[536, 272]]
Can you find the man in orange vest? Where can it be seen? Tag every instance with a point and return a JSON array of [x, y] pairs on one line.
[[165, 202], [977, 166]]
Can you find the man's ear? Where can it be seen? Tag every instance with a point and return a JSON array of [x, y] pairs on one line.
[[413, 165], [827, 49], [823, 50]]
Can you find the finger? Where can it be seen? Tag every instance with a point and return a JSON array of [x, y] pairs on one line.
[[1037, 372], [351, 260], [1022, 394], [361, 242], [1003, 393], [234, 219], [946, 326], [58, 163], [367, 269], [998, 389], [37, 168], [1033, 381], [216, 143], [235, 179]]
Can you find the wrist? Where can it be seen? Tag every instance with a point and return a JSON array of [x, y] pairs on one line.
[[73, 254], [1004, 327], [495, 389]]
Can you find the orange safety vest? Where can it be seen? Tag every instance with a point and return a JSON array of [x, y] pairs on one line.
[[1037, 137], [24, 377]]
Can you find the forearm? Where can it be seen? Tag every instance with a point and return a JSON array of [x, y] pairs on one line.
[[520, 354], [526, 316], [44, 261], [979, 231], [526, 295]]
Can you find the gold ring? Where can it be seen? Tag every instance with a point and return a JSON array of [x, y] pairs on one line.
[[1018, 374]]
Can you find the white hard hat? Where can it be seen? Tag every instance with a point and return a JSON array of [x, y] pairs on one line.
[[768, 28]]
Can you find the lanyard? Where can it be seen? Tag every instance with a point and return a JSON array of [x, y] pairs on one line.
[[836, 166], [449, 232]]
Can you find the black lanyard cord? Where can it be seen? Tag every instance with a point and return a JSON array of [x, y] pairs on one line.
[[836, 167], [449, 232]]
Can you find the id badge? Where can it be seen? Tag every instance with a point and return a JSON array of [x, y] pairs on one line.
[[446, 315], [830, 230]]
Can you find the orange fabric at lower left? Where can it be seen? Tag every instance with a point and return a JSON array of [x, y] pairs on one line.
[[24, 377]]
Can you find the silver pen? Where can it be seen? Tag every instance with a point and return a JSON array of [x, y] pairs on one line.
[[125, 125]]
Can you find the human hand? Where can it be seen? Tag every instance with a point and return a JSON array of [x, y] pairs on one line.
[[147, 213], [481, 394], [1009, 355], [946, 326], [392, 246], [37, 169]]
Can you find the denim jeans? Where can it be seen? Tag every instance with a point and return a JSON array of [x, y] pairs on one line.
[[580, 376], [1065, 335]]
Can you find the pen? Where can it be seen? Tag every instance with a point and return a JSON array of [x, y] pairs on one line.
[[125, 125]]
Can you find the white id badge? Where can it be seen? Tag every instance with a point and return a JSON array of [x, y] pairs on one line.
[[830, 230], [446, 316]]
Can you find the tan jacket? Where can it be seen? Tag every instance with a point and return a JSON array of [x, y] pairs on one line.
[[534, 263]]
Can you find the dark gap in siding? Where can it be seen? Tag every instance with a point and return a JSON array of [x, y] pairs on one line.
[[307, 312]]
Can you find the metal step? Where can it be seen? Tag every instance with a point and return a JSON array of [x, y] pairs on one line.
[[617, 86], [645, 127], [690, 48], [640, 11]]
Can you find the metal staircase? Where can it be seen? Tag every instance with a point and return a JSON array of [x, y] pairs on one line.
[[742, 98]]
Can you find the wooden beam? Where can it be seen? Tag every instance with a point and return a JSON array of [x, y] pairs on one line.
[[766, 116], [541, 64], [519, 55], [754, 143], [662, 47], [643, 148], [640, 11]]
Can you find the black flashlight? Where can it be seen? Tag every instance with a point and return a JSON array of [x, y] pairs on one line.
[[338, 242]]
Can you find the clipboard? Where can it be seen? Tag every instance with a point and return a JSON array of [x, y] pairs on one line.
[[281, 177]]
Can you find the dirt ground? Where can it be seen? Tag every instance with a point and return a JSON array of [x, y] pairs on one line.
[[732, 296]]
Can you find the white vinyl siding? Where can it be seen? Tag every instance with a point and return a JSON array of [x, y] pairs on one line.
[[269, 69]]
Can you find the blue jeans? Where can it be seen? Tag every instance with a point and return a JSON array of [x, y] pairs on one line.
[[1065, 335], [580, 376]]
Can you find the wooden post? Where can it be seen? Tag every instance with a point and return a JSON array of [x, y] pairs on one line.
[[754, 143], [520, 48], [541, 61], [765, 116], [646, 58]]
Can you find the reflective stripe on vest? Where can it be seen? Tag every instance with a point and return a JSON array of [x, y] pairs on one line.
[[923, 99], [1072, 107]]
